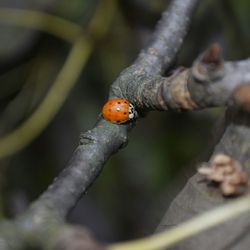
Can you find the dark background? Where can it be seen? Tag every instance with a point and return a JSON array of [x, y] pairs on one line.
[[137, 184]]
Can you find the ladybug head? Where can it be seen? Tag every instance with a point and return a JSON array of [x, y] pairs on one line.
[[131, 111]]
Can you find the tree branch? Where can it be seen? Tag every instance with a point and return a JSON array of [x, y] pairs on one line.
[[168, 37], [105, 138], [96, 146]]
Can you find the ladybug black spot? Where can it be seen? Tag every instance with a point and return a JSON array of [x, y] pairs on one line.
[[118, 121], [125, 113], [119, 102]]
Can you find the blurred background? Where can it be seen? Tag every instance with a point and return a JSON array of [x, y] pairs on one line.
[[137, 184]]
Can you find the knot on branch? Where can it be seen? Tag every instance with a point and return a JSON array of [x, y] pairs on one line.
[[213, 55], [86, 138], [175, 91], [209, 66]]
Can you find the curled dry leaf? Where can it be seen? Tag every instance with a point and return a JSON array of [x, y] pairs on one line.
[[227, 173]]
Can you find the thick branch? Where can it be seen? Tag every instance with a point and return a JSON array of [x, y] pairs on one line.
[[197, 196]]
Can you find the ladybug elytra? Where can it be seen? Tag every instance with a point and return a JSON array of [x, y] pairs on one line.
[[118, 111]]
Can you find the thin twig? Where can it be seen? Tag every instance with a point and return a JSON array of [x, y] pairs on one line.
[[54, 25], [59, 91], [66, 79]]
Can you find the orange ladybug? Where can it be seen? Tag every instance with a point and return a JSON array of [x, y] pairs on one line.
[[118, 111]]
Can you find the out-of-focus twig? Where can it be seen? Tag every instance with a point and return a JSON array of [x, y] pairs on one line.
[[65, 80], [190, 228], [56, 96], [52, 24]]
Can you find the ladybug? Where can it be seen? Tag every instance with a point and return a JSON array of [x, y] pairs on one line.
[[118, 111]]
